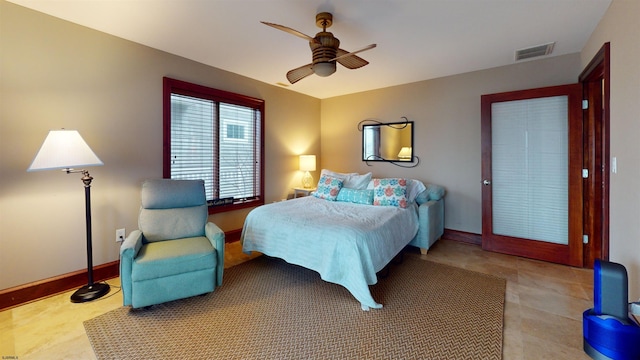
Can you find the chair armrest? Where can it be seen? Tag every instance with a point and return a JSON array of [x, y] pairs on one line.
[[431, 224], [132, 244], [216, 236], [128, 251]]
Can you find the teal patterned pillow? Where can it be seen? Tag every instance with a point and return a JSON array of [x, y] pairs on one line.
[[356, 196], [328, 188], [390, 192]]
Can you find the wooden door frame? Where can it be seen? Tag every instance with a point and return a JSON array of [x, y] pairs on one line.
[[595, 80]]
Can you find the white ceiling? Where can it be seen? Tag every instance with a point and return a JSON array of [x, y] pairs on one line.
[[417, 39]]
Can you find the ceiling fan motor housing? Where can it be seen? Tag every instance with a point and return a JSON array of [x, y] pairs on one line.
[[324, 49]]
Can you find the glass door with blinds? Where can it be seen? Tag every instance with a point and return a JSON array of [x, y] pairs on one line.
[[531, 173], [529, 159]]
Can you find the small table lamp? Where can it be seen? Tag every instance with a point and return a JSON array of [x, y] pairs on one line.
[[405, 153], [65, 149], [307, 163]]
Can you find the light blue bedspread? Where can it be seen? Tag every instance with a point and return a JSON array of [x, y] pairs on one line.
[[345, 243]]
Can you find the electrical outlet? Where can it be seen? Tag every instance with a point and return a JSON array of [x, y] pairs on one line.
[[120, 235]]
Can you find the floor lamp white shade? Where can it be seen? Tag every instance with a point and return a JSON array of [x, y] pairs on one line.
[[307, 163], [64, 149]]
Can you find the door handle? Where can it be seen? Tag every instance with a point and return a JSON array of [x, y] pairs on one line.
[[486, 182]]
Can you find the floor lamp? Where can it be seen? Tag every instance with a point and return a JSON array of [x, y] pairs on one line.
[[66, 149]]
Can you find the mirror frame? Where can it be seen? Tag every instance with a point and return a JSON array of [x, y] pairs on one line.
[[399, 126]]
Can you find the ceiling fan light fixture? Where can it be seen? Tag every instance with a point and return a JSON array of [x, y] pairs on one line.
[[324, 69]]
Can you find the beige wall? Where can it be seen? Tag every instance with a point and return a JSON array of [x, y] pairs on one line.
[[446, 115], [56, 74], [620, 27]]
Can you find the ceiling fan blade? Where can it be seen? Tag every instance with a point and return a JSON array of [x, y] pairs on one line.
[[343, 53], [300, 73], [290, 31], [350, 60]]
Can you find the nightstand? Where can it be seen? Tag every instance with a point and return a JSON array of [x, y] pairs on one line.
[[302, 192]]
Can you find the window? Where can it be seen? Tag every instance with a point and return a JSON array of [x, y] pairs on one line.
[[371, 143], [216, 136], [235, 131]]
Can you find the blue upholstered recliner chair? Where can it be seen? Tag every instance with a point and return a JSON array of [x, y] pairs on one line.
[[176, 253]]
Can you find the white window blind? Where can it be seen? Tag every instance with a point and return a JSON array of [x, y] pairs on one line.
[[216, 142], [239, 158], [193, 140], [530, 169]]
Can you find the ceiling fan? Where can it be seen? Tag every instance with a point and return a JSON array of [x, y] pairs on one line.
[[325, 49]]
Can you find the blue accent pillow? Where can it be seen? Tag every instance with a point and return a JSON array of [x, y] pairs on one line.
[[328, 188], [356, 196]]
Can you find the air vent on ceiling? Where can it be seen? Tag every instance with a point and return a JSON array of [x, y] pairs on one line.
[[534, 51]]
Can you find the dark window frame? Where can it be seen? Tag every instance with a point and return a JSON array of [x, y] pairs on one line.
[[173, 86]]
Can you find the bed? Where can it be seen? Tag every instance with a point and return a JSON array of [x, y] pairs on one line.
[[346, 240]]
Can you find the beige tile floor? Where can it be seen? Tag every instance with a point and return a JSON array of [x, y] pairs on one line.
[[543, 312]]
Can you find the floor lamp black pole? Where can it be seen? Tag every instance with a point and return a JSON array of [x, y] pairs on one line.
[[92, 290]]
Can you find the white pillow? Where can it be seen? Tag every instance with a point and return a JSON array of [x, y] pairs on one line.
[[350, 180], [414, 188], [337, 175], [358, 182]]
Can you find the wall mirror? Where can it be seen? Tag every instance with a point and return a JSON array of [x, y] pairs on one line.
[[388, 142]]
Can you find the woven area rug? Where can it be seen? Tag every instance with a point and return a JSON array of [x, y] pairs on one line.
[[269, 309]]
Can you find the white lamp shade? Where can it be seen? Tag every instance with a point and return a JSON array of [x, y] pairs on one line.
[[307, 162], [63, 149], [405, 153]]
